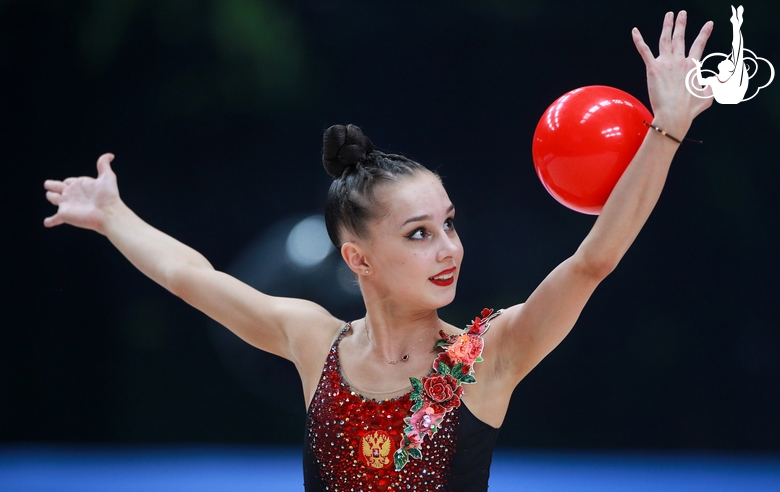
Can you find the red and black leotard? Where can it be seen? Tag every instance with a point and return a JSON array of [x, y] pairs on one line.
[[350, 441]]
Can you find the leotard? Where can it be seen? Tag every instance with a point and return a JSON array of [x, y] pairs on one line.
[[350, 442]]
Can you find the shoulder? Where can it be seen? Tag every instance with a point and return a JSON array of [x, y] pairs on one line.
[[501, 348], [501, 319], [310, 331], [488, 399], [308, 325]]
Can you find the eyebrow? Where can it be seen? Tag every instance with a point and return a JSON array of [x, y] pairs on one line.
[[421, 218]]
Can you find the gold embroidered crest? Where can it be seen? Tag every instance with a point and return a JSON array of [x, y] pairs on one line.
[[376, 447]]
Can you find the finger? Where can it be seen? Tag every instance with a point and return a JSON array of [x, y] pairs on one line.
[[641, 47], [69, 180], [52, 221], [54, 185], [53, 197], [697, 48], [104, 164], [678, 38], [665, 43]]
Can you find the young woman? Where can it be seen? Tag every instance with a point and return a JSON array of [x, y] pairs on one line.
[[392, 221]]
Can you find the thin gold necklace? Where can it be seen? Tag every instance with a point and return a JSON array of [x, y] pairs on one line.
[[389, 361]]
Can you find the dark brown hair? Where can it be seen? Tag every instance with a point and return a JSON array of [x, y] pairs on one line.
[[358, 169]]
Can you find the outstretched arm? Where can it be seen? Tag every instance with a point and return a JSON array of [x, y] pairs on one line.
[[526, 333], [278, 325]]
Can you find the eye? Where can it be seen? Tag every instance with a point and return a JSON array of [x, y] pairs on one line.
[[449, 224], [418, 234]]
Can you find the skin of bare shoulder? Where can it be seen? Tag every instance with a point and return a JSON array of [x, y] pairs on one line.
[[310, 338], [488, 399]]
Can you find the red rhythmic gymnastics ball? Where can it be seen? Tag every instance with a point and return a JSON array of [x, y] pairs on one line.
[[584, 142]]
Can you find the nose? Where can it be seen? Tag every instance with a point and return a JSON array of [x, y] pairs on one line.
[[449, 246]]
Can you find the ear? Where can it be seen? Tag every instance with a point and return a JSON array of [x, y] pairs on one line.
[[355, 258]]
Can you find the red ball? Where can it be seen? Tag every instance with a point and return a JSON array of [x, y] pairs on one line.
[[584, 142]]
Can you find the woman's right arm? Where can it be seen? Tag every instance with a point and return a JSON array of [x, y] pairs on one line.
[[281, 326]]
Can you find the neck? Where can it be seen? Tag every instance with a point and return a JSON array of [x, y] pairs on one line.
[[398, 332]]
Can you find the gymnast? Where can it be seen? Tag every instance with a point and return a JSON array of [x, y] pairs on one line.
[[385, 411]]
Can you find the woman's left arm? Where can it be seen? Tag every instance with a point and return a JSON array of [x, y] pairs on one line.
[[526, 333]]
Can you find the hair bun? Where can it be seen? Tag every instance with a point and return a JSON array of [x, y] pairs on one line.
[[343, 147]]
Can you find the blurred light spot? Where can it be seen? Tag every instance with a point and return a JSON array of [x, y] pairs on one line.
[[308, 243]]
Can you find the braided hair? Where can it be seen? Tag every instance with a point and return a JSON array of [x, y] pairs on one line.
[[358, 169]]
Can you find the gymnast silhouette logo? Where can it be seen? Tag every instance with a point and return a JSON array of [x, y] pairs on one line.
[[730, 84]]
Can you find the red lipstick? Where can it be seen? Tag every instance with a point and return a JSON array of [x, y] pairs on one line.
[[444, 282]]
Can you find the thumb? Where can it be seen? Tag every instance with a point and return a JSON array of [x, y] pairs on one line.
[[104, 164], [52, 221]]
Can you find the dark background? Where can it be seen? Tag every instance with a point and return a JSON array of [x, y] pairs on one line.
[[215, 111]]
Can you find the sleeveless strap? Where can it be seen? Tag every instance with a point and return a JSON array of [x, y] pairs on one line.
[[340, 332]]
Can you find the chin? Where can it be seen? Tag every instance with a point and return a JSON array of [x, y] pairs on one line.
[[445, 298]]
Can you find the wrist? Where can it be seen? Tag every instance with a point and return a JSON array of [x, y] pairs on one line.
[[662, 132], [673, 126], [112, 215]]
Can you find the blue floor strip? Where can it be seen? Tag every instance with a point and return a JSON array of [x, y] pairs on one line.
[[208, 469]]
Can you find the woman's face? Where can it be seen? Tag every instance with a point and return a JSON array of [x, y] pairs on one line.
[[413, 250]]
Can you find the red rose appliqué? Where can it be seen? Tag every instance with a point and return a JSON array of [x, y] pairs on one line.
[[443, 392]]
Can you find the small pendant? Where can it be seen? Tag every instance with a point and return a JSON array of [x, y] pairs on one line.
[[405, 357]]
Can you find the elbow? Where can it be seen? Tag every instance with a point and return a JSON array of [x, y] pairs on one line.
[[603, 269], [181, 280], [174, 282], [596, 266]]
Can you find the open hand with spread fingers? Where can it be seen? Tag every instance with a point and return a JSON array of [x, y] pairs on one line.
[[84, 201], [670, 100]]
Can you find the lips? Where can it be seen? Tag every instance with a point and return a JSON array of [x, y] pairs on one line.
[[444, 278]]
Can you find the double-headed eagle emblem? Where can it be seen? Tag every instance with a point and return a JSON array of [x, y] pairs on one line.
[[376, 447]]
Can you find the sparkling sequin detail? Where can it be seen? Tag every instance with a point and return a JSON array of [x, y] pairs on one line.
[[353, 439]]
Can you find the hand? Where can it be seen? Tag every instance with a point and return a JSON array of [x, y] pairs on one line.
[[83, 202], [670, 100]]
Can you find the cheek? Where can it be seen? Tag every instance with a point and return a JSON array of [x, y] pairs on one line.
[[417, 265]]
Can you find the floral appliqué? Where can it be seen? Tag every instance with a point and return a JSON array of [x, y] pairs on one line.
[[436, 395]]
